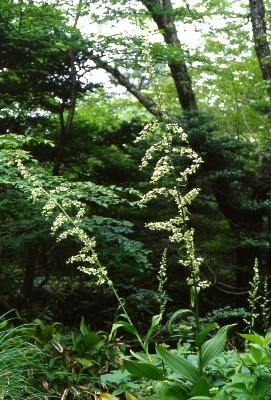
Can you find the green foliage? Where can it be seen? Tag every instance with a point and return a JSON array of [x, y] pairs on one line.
[[22, 364], [38, 79], [240, 376], [75, 359], [176, 375]]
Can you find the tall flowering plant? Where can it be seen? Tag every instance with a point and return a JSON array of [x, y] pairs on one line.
[[169, 146], [168, 151]]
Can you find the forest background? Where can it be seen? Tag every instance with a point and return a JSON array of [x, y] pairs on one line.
[[72, 125]]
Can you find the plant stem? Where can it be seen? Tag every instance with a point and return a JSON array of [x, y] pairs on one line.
[[120, 301], [197, 316], [194, 285]]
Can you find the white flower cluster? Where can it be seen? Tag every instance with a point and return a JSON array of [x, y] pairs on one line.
[[192, 262], [195, 163], [162, 278], [156, 148], [254, 296], [65, 226], [162, 169], [36, 193], [88, 259], [170, 145], [266, 303], [58, 223], [49, 207], [148, 130]]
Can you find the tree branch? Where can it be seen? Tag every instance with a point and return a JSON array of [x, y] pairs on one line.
[[146, 101]]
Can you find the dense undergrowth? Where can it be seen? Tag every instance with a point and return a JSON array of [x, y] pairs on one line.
[[43, 360]]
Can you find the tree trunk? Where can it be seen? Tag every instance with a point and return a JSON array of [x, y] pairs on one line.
[[162, 14], [73, 94], [61, 142], [65, 127], [262, 48]]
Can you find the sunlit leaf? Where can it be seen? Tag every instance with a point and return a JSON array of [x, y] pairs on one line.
[[129, 396], [85, 362], [107, 396]]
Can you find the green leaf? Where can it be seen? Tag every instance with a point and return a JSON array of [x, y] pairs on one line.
[[129, 396], [253, 338], [83, 329], [200, 398], [201, 336], [140, 357], [155, 322], [262, 387], [116, 376], [201, 388], [267, 339], [178, 364], [143, 370], [171, 391], [107, 396], [257, 353], [3, 324], [39, 323], [176, 315], [125, 325], [92, 341], [214, 346], [85, 362]]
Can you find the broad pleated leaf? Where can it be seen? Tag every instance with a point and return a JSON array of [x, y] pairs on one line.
[[107, 396], [201, 388], [125, 325], [253, 338], [155, 322], [214, 346], [143, 370], [171, 391], [201, 336], [178, 364], [139, 356], [85, 362], [200, 398], [176, 315]]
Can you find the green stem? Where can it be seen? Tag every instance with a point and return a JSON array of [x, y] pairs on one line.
[[140, 341], [197, 316], [196, 295]]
